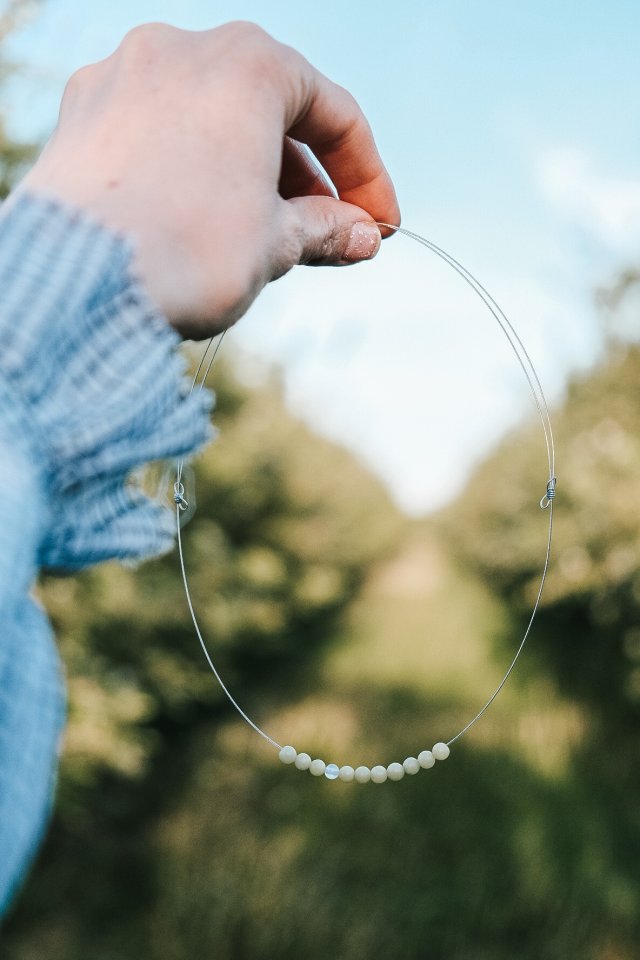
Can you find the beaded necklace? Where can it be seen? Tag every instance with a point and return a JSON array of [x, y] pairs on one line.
[[426, 758]]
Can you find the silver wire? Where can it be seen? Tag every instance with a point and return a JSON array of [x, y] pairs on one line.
[[204, 646], [546, 502], [507, 328], [202, 383], [181, 504], [524, 638]]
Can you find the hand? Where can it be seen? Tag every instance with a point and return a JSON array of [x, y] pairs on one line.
[[192, 143]]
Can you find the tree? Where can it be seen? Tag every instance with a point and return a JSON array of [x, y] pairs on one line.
[[14, 156]]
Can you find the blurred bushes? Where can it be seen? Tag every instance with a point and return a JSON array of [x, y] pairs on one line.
[[195, 842], [15, 156], [587, 632]]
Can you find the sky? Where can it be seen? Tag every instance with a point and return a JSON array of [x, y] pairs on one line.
[[512, 132]]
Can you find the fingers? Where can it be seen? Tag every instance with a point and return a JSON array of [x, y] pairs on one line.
[[324, 230], [328, 119], [300, 176]]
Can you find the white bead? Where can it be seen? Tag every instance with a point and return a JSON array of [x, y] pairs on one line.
[[426, 759], [303, 761], [378, 774], [362, 774], [317, 767], [331, 771], [440, 751], [288, 754], [395, 771], [411, 765], [347, 774]]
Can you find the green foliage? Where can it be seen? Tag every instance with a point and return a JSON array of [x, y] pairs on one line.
[[14, 160], [587, 634], [15, 157], [196, 842], [586, 638]]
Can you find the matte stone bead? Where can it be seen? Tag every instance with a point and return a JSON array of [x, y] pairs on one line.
[[303, 761], [440, 751], [346, 773], [362, 774], [288, 754], [317, 767], [426, 759], [378, 774], [331, 771], [395, 771], [411, 765]]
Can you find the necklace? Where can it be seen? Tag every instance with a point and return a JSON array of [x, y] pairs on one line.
[[427, 758]]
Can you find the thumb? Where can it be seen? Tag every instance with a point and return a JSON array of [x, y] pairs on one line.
[[330, 231]]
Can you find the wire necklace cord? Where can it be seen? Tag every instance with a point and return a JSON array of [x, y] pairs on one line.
[[440, 751]]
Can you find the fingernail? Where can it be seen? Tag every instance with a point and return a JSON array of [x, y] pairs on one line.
[[364, 241]]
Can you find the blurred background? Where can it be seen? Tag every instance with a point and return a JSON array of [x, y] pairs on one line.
[[368, 542]]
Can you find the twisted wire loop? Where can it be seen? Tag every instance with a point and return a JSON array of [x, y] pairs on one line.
[[550, 494], [546, 502], [178, 495]]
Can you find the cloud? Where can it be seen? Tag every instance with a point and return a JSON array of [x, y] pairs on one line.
[[605, 206]]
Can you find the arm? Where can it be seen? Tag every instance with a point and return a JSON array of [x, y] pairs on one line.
[[90, 388], [31, 696], [193, 146]]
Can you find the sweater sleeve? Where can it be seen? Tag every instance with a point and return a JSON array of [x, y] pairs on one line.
[[91, 388]]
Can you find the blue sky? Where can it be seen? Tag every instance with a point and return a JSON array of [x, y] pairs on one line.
[[513, 134]]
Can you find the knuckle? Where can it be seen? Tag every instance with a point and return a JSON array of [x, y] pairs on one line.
[[290, 60], [79, 82], [244, 31], [76, 82], [350, 110], [349, 101], [255, 56], [147, 38], [253, 47], [243, 27]]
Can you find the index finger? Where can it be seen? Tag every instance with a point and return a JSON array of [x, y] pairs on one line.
[[329, 120]]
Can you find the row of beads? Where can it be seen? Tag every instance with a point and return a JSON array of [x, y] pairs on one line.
[[395, 771]]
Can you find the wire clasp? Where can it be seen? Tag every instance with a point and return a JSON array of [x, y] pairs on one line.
[[178, 495], [549, 495]]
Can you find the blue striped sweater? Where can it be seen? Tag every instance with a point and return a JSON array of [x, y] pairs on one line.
[[91, 387]]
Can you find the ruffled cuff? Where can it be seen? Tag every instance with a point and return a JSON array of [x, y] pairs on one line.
[[94, 365]]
